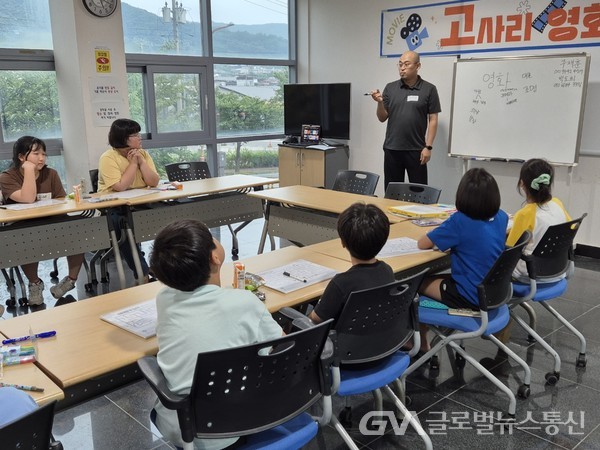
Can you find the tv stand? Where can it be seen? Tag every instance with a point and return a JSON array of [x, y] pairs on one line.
[[311, 167]]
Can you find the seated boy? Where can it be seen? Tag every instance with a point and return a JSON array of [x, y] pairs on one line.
[[364, 230], [195, 314]]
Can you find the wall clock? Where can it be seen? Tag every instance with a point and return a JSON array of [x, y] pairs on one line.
[[101, 8]]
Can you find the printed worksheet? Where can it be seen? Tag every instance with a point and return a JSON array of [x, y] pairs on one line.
[[38, 204], [400, 246], [138, 319], [296, 275]]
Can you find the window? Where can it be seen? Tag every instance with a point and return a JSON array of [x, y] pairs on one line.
[[25, 24], [259, 158], [214, 83], [249, 99], [162, 27], [250, 29]]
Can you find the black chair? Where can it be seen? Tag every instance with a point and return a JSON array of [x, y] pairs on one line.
[[187, 171], [94, 180], [549, 266], [413, 192], [244, 391], [374, 324], [198, 170], [33, 431], [494, 292], [356, 181]]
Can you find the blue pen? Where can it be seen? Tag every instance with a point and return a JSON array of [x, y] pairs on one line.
[[45, 334]]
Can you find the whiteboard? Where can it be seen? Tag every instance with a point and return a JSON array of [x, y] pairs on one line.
[[519, 107]]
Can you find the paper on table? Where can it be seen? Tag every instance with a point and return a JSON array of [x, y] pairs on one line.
[[40, 204], [132, 193], [400, 246], [320, 147], [422, 211], [298, 270], [138, 319]]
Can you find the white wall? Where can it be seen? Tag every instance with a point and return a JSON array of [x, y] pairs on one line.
[[339, 42], [76, 33]]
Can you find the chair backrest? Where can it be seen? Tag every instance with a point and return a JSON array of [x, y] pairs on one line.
[[552, 256], [496, 287], [356, 181], [188, 171], [94, 180], [249, 389], [413, 192], [33, 430], [376, 322]]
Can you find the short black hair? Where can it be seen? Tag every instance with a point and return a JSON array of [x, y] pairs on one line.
[[364, 230], [181, 255], [120, 130], [532, 169], [478, 195], [23, 147]]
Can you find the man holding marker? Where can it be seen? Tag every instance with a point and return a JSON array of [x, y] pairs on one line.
[[411, 106]]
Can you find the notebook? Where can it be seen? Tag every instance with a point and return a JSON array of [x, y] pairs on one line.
[[311, 134], [423, 211]]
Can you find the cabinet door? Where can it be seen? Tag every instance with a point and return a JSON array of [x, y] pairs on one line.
[[289, 166], [312, 164]]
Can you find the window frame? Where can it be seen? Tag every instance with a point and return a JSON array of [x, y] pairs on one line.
[[149, 64], [28, 60]]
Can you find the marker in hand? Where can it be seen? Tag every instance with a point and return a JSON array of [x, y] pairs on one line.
[[287, 274]]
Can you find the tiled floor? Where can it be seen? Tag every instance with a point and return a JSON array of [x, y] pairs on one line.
[[120, 419]]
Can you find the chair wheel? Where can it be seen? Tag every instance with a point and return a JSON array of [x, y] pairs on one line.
[[459, 361], [94, 282], [23, 301], [345, 417], [88, 287], [11, 303], [104, 279], [581, 360], [524, 391], [235, 251], [54, 274], [552, 378], [434, 363]]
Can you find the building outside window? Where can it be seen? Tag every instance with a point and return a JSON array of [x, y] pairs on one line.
[[207, 77]]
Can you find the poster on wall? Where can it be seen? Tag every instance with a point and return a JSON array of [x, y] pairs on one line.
[[106, 100], [476, 26]]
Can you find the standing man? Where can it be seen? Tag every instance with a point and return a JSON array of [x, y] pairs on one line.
[[411, 106]]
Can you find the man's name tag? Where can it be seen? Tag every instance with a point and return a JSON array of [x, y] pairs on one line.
[[412, 98]]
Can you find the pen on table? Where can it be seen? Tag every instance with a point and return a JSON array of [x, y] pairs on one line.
[[287, 274], [45, 334], [23, 387]]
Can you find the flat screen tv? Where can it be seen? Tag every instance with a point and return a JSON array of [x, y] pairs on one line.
[[327, 105]]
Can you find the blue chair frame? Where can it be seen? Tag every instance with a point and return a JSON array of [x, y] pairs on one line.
[[552, 258], [494, 292]]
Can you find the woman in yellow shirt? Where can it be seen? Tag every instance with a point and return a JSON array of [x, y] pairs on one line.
[[126, 166]]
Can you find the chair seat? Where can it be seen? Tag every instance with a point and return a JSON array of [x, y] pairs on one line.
[[294, 433], [357, 381], [545, 291], [497, 319]]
